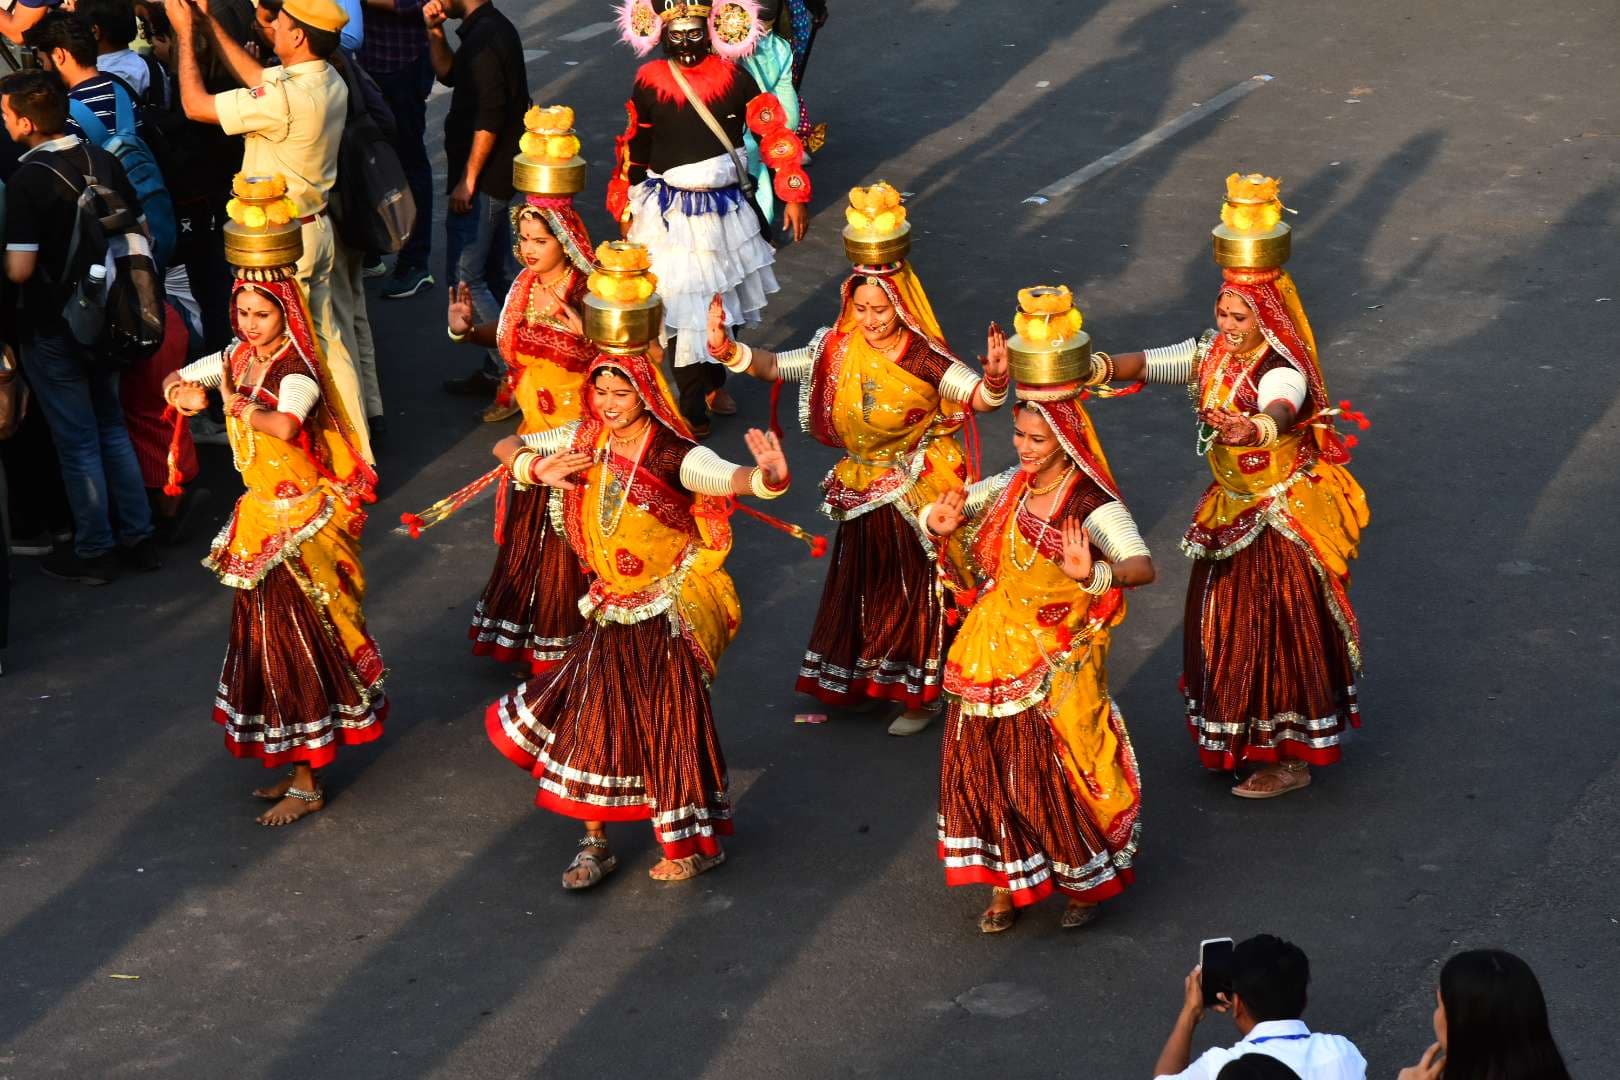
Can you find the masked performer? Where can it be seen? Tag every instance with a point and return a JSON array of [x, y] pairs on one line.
[[1272, 646], [528, 611], [621, 729], [301, 674], [1038, 787], [678, 180], [883, 387]]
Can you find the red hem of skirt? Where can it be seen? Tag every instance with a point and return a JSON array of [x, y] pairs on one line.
[[1226, 761], [319, 758], [505, 654], [866, 690], [677, 849], [510, 750], [983, 875]]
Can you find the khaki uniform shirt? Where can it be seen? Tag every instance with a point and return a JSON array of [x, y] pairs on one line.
[[292, 122]]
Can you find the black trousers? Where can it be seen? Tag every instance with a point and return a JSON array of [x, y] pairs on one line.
[[693, 384]]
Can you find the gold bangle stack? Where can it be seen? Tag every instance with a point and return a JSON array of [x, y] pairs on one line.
[[739, 358], [1101, 579], [1102, 368], [522, 465], [993, 397], [1267, 426], [168, 398], [761, 489]]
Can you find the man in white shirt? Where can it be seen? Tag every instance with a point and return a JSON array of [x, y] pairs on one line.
[[1269, 980], [113, 22]]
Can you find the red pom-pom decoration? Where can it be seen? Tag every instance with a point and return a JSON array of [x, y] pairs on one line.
[[414, 523], [765, 115], [818, 546], [792, 185], [781, 149]]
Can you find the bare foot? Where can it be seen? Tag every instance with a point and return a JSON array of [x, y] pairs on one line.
[[291, 808], [274, 792]]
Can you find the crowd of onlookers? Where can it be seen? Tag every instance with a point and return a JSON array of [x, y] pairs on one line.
[[148, 109], [1490, 1023]]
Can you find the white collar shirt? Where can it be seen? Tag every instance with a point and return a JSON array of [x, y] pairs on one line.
[[1312, 1055]]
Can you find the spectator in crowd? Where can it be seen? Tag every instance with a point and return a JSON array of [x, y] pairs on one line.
[[1269, 980], [152, 433], [1490, 1023], [489, 95], [19, 16], [78, 397], [66, 46], [292, 118], [1256, 1067], [112, 22], [395, 54]]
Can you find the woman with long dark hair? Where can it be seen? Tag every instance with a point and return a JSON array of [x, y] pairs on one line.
[[1491, 1022]]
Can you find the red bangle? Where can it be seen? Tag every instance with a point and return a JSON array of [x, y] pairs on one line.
[[787, 482]]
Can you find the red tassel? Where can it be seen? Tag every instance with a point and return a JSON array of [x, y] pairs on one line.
[[413, 523], [171, 461], [975, 449], [502, 493], [817, 544], [776, 396], [1350, 442]]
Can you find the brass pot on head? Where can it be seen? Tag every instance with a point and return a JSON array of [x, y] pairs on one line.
[[623, 328], [1252, 251], [864, 250], [554, 179]]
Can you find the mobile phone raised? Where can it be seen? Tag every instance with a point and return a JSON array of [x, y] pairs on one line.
[[1215, 962]]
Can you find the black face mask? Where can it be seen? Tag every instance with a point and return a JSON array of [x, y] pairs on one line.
[[687, 47]]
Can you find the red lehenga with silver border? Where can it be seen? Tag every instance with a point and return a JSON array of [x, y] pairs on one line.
[[529, 608], [879, 632], [621, 727], [302, 674], [1039, 786]]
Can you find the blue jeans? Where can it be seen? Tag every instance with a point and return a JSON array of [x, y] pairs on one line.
[[99, 469], [406, 92], [478, 250]]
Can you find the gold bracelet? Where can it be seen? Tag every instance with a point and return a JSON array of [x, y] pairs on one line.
[[762, 489], [992, 397], [518, 466], [1267, 426], [1100, 581], [739, 358]]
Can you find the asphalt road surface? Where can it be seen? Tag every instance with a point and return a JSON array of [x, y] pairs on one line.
[[1455, 171]]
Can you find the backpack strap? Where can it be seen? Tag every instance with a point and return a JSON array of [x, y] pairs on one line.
[[48, 160], [94, 130]]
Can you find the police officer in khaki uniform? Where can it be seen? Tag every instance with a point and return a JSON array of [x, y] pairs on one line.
[[291, 118]]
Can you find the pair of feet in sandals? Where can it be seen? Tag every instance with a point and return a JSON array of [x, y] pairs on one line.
[[292, 799], [1274, 780], [594, 861], [1001, 914]]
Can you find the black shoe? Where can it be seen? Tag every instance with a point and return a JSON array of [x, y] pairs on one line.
[[373, 270], [479, 384], [142, 555], [406, 281], [64, 564]]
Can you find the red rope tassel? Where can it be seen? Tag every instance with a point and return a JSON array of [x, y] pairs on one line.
[[817, 544], [413, 524], [171, 462], [502, 497], [975, 448]]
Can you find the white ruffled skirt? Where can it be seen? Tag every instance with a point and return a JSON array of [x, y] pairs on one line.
[[703, 239]]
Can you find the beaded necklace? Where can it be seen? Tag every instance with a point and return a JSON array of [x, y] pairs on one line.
[[1046, 523], [609, 520], [244, 429]]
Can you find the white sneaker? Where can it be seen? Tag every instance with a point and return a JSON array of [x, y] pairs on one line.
[[911, 722]]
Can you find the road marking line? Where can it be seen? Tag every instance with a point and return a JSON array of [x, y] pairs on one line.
[[1150, 140], [585, 33]]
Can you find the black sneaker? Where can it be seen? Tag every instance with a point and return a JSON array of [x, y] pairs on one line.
[[406, 281], [479, 384], [142, 555], [373, 270], [64, 564], [39, 544]]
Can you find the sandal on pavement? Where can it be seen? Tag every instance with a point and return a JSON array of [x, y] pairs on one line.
[[1290, 776], [1077, 915], [686, 869], [994, 921], [596, 866]]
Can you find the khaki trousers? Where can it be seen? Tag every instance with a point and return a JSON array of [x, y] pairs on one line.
[[318, 273]]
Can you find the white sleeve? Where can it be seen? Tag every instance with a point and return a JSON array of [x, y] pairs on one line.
[[1114, 530], [208, 371], [297, 395], [551, 442], [1171, 363], [704, 472], [1282, 384]]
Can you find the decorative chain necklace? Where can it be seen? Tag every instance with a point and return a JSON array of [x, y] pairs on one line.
[[1053, 486], [610, 487], [243, 428], [1228, 374], [531, 311], [1013, 531]]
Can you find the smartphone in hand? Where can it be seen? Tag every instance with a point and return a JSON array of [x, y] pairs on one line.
[[1215, 963]]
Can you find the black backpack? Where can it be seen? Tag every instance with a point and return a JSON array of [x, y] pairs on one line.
[[114, 303], [371, 202]]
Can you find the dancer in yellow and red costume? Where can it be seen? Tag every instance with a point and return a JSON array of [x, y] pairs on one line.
[[302, 675], [882, 386], [528, 611], [621, 729], [1272, 646], [1038, 784]]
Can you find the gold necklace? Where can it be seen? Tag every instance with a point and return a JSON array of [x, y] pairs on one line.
[[531, 311], [1013, 530], [249, 436], [1053, 486], [609, 521]]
